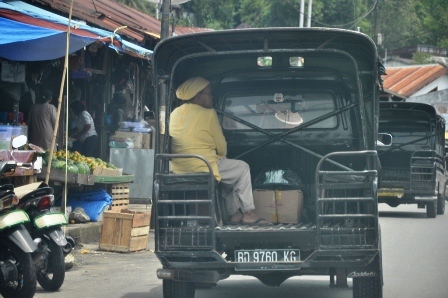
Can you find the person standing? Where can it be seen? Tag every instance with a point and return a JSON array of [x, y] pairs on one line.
[[42, 121], [195, 129], [86, 136], [117, 111]]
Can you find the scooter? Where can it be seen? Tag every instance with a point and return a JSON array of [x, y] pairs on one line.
[[17, 270], [46, 225]]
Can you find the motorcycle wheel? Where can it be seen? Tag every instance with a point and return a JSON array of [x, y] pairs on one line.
[[25, 285], [51, 275]]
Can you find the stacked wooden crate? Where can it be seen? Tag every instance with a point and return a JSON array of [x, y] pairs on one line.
[[120, 196], [124, 231]]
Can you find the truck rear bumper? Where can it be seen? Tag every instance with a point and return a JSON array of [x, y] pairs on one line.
[[212, 272]]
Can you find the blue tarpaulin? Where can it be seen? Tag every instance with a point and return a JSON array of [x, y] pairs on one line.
[[29, 33], [23, 42], [94, 202]]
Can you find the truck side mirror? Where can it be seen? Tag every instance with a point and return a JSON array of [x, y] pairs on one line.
[[384, 139]]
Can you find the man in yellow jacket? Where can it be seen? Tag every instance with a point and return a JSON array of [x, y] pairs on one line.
[[195, 129]]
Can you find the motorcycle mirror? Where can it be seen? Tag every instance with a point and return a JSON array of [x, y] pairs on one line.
[[19, 141]]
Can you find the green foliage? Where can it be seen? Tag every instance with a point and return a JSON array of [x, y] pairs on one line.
[[421, 58], [215, 14], [435, 20], [401, 22], [140, 5]]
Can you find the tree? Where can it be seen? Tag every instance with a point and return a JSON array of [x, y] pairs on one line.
[[214, 14], [435, 20], [399, 23], [140, 5]]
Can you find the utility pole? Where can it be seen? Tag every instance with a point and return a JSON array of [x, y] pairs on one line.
[[375, 26], [302, 12], [165, 24], [310, 8]]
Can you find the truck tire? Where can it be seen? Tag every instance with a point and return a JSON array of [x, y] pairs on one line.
[[368, 287], [177, 289], [371, 287], [441, 205], [431, 209]]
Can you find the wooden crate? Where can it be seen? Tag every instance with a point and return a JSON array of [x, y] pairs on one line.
[[124, 231], [120, 196]]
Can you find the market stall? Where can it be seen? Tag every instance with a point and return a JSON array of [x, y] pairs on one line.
[[93, 184]]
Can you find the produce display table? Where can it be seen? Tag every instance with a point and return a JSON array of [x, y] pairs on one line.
[[116, 186], [84, 179]]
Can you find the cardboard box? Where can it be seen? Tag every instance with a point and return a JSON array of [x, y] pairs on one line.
[[279, 206], [125, 231], [146, 141], [141, 140], [136, 136], [98, 171], [289, 205], [265, 206]]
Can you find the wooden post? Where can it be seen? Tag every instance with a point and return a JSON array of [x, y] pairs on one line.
[[56, 127]]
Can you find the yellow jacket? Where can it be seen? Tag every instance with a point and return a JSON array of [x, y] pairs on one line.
[[196, 130]]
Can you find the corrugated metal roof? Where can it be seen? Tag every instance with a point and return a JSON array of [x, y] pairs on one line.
[[111, 15], [30, 33], [405, 81]]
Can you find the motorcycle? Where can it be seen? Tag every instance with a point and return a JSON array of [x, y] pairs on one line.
[[46, 226], [17, 270]]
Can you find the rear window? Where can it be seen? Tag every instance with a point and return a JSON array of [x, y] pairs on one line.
[[278, 110], [406, 126]]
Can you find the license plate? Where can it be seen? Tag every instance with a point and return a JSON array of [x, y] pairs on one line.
[[267, 255], [391, 192]]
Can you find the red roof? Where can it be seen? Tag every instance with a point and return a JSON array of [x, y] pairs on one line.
[[406, 81], [110, 15]]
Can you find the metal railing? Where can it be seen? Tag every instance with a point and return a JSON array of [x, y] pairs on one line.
[[185, 208], [347, 204]]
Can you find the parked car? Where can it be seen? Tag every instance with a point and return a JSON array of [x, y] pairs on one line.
[[413, 166], [299, 99]]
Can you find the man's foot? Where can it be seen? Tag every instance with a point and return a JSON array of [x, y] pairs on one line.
[[250, 218], [236, 218]]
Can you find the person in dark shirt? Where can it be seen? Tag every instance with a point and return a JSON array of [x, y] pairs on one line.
[[42, 121]]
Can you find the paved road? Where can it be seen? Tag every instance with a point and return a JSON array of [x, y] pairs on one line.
[[415, 260]]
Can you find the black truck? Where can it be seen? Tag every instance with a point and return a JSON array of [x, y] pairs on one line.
[[413, 163], [301, 100]]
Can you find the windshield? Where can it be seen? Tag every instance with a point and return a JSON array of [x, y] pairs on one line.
[[406, 126], [281, 110]]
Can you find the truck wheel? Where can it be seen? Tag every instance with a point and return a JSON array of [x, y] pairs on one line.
[[369, 287], [177, 289], [440, 204], [431, 209]]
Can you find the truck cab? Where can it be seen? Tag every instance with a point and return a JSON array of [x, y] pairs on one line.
[[300, 100], [413, 165]]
